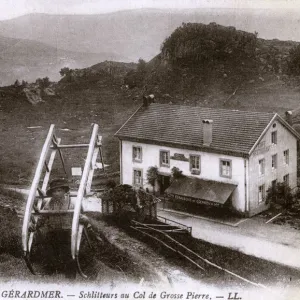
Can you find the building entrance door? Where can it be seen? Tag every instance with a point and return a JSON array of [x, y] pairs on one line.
[[164, 182]]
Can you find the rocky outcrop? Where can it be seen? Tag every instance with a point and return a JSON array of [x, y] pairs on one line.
[[49, 92], [33, 94]]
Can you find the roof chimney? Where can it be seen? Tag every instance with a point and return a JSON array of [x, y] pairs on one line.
[[147, 100], [207, 132], [288, 117]]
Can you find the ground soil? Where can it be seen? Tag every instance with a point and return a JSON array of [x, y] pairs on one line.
[[284, 216], [119, 254], [114, 257]]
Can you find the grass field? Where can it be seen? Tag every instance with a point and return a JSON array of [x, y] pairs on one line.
[[77, 106], [74, 110]]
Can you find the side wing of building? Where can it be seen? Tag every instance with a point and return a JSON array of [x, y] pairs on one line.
[[274, 159]]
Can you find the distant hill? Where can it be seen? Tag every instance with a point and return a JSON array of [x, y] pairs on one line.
[[28, 60], [135, 34]]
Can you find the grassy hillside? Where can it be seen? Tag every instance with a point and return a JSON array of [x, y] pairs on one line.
[[24, 127], [238, 77], [214, 65]]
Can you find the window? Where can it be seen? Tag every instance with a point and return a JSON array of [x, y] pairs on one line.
[[225, 168], [195, 164], [274, 137], [261, 193], [165, 158], [261, 163], [274, 161], [137, 177], [137, 153], [286, 155], [286, 179]]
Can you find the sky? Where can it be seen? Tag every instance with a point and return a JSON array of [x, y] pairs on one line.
[[14, 8]]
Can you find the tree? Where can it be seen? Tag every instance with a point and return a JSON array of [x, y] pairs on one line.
[[123, 195], [152, 176], [294, 61], [135, 78], [17, 83], [65, 71], [280, 194], [43, 82], [24, 83], [142, 67]]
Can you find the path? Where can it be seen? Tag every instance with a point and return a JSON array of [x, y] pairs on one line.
[[253, 237]]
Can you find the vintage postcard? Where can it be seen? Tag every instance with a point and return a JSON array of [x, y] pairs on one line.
[[149, 149]]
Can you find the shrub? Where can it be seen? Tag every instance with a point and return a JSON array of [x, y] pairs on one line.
[[176, 173], [110, 184], [280, 194]]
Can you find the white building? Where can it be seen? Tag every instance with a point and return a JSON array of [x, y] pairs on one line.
[[229, 157]]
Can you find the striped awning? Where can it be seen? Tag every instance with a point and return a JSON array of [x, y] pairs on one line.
[[200, 191]]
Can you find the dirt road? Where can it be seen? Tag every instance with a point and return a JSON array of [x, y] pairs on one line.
[[267, 241]]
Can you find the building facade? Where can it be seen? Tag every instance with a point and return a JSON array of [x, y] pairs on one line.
[[227, 157]]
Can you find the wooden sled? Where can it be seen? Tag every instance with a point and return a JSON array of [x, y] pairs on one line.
[[37, 194]]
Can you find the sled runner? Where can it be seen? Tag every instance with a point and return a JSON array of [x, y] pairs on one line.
[[37, 195]]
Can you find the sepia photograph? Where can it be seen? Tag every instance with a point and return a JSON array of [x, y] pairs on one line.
[[150, 149]]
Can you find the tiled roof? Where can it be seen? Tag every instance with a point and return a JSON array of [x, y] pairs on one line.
[[233, 130]]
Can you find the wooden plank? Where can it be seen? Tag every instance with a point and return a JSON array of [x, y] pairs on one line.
[[30, 240], [164, 230], [169, 247], [70, 146], [46, 166], [159, 225], [33, 189], [53, 212], [91, 172], [55, 142], [272, 219], [50, 165], [79, 236], [81, 191], [101, 155], [204, 259]]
